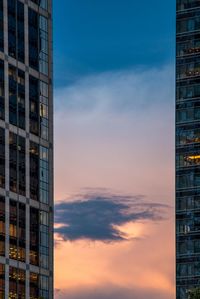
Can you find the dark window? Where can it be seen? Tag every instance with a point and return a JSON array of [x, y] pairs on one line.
[[44, 175], [2, 281], [188, 91], [16, 29], [188, 45], [34, 236], [188, 179], [12, 38], [39, 173], [189, 24], [188, 68], [17, 164], [44, 110], [1, 27], [21, 166], [38, 42], [187, 111], [188, 269], [2, 94], [20, 31], [44, 239], [187, 4], [39, 107], [33, 26], [2, 158], [16, 97], [34, 171], [44, 287], [43, 45], [41, 3], [2, 226], [34, 105]]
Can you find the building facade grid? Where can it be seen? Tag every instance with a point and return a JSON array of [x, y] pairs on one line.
[[26, 159], [187, 147]]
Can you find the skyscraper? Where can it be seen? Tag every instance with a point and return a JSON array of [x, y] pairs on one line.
[[26, 149], [187, 147]]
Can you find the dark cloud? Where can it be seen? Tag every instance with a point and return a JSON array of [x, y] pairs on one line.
[[112, 292], [97, 216]]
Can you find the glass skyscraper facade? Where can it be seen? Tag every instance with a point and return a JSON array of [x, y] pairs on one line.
[[187, 147], [26, 150]]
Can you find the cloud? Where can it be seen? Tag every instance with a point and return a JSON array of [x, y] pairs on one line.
[[98, 216], [112, 292], [116, 128], [117, 92]]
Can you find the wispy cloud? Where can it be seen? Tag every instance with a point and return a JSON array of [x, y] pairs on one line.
[[98, 216], [115, 125], [117, 92]]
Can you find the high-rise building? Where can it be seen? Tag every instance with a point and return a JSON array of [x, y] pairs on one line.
[[187, 147], [26, 149]]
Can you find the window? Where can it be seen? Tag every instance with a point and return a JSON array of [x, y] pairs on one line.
[[39, 238], [44, 239], [182, 292], [17, 164], [16, 29], [2, 94], [2, 158], [41, 3], [16, 97], [189, 159], [33, 38], [2, 226], [34, 285], [43, 49], [38, 41], [189, 91], [34, 236], [44, 287], [188, 68], [17, 248], [187, 4], [39, 173], [44, 113], [188, 45], [34, 171], [188, 224], [188, 203], [39, 114], [2, 281], [1, 27], [188, 111], [188, 25], [186, 135], [190, 179], [34, 105], [17, 285], [44, 175], [39, 286], [189, 269]]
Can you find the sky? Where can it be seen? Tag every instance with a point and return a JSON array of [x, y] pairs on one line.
[[114, 149]]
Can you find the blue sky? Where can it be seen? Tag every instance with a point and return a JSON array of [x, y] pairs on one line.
[[93, 36]]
